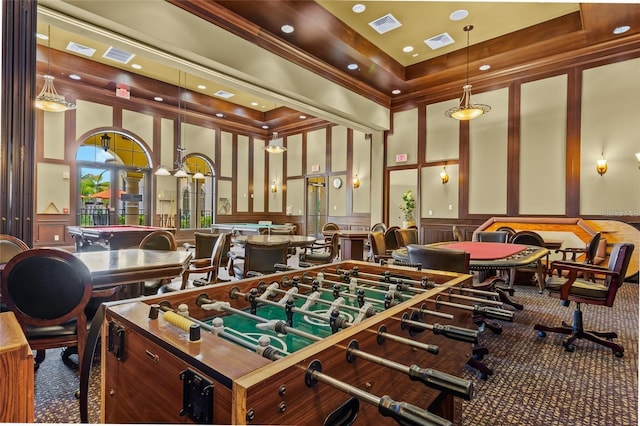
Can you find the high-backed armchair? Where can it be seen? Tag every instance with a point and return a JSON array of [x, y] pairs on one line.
[[406, 236], [157, 240], [378, 247], [602, 292], [327, 254], [210, 270], [439, 258], [258, 259]]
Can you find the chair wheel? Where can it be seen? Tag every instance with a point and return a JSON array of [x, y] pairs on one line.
[[570, 347], [482, 376], [618, 354], [542, 334], [478, 357], [77, 394]]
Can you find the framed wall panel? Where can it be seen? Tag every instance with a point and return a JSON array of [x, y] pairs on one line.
[[404, 139], [443, 133]]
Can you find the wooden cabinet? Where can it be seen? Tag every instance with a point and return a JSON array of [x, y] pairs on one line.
[[16, 372]]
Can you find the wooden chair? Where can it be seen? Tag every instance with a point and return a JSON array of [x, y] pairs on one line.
[[211, 270], [10, 246], [378, 248], [327, 254], [157, 240], [329, 226], [581, 291], [406, 236], [378, 227], [258, 259], [48, 291], [457, 234], [593, 254]]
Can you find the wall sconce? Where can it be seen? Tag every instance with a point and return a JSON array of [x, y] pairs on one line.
[[638, 158], [601, 165], [105, 142], [444, 176], [356, 182], [274, 188]]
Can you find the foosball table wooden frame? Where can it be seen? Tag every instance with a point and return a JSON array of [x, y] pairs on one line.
[[159, 369]]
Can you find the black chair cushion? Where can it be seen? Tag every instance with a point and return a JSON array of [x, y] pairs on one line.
[[579, 288]]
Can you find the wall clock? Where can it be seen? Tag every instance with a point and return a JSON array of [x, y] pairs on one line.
[[337, 183]]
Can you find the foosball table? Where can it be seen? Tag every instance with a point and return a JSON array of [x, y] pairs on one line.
[[333, 344]]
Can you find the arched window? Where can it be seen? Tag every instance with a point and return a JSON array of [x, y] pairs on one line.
[[197, 193], [113, 185]]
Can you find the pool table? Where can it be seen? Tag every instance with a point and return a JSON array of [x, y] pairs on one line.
[[112, 237]]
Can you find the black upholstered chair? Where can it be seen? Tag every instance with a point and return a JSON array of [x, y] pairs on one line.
[[157, 240], [48, 291], [602, 292], [258, 259], [492, 236], [390, 240], [203, 247], [378, 227], [407, 236], [211, 270], [439, 258], [319, 254], [509, 230], [529, 238]]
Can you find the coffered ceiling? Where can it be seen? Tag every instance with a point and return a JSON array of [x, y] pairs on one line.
[[328, 37]]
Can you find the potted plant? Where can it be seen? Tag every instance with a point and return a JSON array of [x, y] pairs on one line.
[[408, 206]]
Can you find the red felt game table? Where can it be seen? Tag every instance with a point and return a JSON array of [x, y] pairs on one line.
[[492, 256]]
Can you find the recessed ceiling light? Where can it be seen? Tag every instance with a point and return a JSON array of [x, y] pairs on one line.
[[352, 66], [42, 36], [407, 49], [358, 8], [396, 91], [302, 117], [74, 77], [201, 86], [621, 29], [287, 29], [158, 98], [254, 104], [265, 127], [219, 114], [458, 15], [415, 55], [136, 66], [484, 67]]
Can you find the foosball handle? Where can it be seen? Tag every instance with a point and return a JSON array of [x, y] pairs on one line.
[[442, 381], [456, 333], [407, 414]]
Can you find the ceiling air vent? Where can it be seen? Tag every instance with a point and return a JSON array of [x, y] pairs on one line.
[[223, 94], [80, 49], [439, 41], [384, 24], [118, 55]]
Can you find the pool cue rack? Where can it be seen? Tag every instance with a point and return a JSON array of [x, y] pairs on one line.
[[144, 383]]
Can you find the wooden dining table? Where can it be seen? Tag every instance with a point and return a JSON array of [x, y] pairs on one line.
[[122, 267], [351, 243], [293, 240]]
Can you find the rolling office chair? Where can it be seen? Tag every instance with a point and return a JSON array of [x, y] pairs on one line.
[[379, 250], [406, 236], [581, 291]]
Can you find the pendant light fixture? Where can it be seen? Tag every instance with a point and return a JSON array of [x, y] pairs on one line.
[[276, 146], [49, 99], [179, 170], [466, 110]]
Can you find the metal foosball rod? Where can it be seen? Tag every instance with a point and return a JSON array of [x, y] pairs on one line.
[[365, 311], [321, 279], [403, 413], [316, 286], [382, 335], [181, 320], [422, 284], [434, 379], [278, 326], [488, 311], [333, 318], [460, 334]]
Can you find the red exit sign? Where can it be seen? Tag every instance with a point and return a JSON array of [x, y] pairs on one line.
[[401, 158]]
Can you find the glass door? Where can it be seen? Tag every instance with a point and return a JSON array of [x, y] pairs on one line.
[[316, 206]]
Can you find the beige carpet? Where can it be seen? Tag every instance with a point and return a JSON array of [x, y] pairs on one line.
[[535, 382]]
